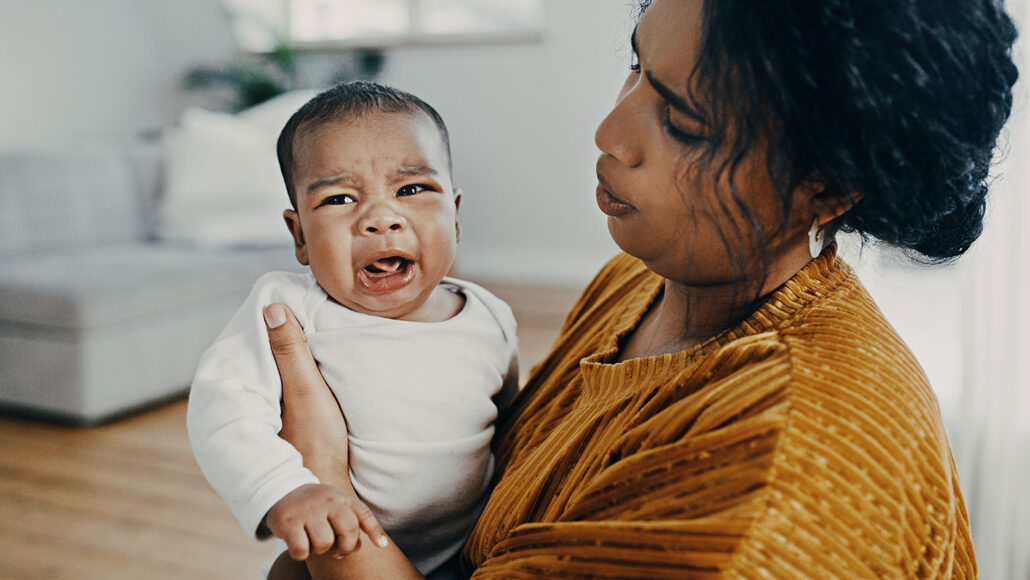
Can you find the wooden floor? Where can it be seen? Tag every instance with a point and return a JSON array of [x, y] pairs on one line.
[[126, 500]]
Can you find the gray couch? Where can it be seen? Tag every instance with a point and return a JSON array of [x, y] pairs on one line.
[[97, 318]]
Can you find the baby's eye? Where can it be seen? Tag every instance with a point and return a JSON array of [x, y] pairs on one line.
[[338, 199], [411, 189]]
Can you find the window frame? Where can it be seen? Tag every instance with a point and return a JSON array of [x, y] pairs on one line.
[[414, 37]]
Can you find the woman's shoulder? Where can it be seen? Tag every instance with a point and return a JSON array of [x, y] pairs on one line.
[[842, 341], [854, 377], [844, 442], [857, 459], [863, 459], [834, 330]]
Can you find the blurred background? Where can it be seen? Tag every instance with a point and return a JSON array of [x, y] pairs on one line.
[[139, 198]]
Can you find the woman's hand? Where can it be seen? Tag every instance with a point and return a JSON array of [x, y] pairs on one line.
[[312, 420], [314, 424]]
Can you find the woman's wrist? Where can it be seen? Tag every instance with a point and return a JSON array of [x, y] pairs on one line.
[[333, 474]]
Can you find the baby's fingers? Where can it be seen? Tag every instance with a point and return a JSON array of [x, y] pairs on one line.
[[348, 533], [322, 537], [348, 524], [297, 543]]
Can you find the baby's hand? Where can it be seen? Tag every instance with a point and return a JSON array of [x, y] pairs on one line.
[[314, 518]]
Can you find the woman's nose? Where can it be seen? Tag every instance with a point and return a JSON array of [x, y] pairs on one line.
[[381, 221], [618, 133]]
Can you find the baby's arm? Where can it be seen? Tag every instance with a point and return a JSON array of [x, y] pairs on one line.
[[234, 413]]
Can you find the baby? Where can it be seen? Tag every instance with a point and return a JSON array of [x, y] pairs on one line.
[[421, 364]]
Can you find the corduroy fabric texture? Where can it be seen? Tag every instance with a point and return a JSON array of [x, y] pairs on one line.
[[803, 443]]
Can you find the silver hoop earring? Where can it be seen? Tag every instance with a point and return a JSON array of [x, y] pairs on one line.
[[815, 239]]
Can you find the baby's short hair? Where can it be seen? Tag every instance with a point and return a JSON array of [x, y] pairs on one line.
[[346, 101]]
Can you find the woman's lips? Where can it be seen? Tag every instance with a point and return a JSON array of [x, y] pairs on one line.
[[610, 204]]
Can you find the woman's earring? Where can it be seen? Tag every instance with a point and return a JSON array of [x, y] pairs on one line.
[[815, 239]]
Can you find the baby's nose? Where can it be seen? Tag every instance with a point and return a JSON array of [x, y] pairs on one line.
[[381, 223]]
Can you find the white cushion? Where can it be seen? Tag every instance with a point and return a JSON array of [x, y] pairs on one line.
[[270, 116], [223, 186]]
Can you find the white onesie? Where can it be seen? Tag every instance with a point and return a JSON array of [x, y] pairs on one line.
[[420, 400]]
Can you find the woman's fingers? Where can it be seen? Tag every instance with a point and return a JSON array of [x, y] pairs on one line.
[[297, 367], [311, 417], [368, 522]]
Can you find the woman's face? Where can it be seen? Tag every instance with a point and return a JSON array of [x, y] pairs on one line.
[[666, 205]]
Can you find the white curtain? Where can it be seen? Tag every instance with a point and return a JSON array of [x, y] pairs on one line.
[[990, 432]]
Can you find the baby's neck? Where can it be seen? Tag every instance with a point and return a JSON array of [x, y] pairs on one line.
[[441, 304]]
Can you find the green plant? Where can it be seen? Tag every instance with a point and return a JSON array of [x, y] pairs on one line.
[[258, 78]]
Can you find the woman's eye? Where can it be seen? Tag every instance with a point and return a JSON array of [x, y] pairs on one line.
[[685, 137], [411, 190], [338, 199]]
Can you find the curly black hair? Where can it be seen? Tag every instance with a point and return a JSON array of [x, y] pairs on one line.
[[898, 101]]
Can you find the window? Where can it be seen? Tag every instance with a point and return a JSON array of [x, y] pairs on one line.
[[260, 25]]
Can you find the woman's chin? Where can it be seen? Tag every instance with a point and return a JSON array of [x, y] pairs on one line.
[[627, 241]]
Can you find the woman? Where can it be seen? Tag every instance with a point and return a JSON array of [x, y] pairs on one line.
[[725, 399]]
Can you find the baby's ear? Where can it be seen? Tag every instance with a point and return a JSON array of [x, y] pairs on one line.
[[300, 248], [457, 205]]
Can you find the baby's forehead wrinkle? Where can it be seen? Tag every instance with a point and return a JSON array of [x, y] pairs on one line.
[[411, 170], [337, 179]]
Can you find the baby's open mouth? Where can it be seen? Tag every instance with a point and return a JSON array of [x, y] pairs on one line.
[[386, 274], [387, 266]]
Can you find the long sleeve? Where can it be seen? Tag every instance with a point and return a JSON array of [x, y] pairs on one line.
[[233, 417]]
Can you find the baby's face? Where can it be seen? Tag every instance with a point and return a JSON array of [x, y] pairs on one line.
[[376, 212]]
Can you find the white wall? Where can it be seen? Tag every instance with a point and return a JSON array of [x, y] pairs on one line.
[[99, 71]]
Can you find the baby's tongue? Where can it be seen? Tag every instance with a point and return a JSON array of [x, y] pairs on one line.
[[388, 264]]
